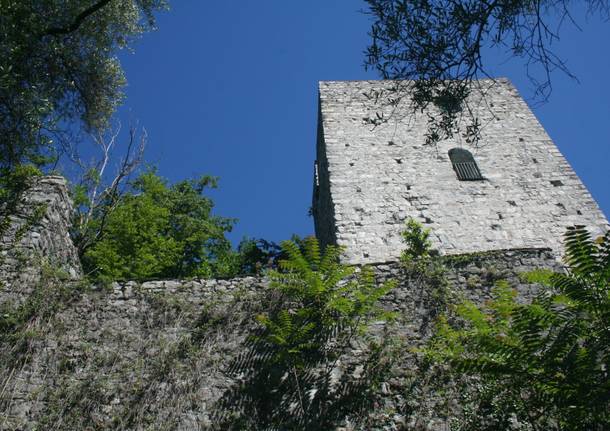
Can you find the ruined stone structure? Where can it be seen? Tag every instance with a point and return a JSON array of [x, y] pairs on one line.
[[371, 179], [38, 235], [165, 354]]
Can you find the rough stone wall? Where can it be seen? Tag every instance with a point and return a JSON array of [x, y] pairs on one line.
[[380, 176], [322, 205], [33, 240], [163, 354], [159, 355]]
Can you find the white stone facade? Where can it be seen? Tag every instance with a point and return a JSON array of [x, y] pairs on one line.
[[371, 179]]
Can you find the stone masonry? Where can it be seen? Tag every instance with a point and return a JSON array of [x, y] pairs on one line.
[[371, 179], [162, 354], [165, 354], [33, 239]]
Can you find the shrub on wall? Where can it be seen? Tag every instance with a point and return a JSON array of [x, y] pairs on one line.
[[292, 376], [543, 365]]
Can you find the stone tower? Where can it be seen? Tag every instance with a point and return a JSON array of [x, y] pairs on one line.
[[30, 242], [514, 190]]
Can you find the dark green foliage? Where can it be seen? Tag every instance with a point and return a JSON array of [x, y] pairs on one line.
[[257, 255], [161, 231], [293, 376], [436, 49], [58, 68], [544, 364], [13, 183]]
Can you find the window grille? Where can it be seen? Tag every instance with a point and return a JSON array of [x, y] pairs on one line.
[[464, 165]]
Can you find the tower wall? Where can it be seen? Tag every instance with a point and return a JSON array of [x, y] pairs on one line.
[[377, 177], [38, 235], [322, 205]]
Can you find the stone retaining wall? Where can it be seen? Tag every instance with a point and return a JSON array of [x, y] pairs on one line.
[[159, 355]]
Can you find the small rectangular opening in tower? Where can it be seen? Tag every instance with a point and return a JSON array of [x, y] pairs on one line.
[[464, 165]]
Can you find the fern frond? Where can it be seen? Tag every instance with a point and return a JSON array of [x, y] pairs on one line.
[[312, 252], [581, 252], [295, 261], [572, 287], [330, 259]]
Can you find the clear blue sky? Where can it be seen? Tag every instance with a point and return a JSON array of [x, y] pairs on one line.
[[230, 89]]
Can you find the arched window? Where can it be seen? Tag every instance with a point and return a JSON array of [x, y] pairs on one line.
[[464, 165]]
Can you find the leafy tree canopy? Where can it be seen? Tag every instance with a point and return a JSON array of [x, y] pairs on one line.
[[161, 231], [58, 67], [438, 44]]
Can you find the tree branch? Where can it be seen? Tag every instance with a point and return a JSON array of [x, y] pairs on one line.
[[81, 17]]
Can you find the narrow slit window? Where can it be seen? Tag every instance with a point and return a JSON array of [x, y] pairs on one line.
[[464, 165]]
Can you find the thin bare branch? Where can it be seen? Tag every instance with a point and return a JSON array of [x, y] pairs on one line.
[[104, 193]]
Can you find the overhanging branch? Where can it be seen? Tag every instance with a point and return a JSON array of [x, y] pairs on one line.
[[81, 17]]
